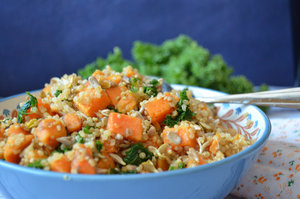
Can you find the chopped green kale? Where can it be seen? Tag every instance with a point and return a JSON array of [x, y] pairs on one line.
[[79, 138], [32, 102], [36, 164], [60, 150], [137, 154], [186, 114], [152, 90], [86, 129], [57, 93], [99, 145], [133, 82]]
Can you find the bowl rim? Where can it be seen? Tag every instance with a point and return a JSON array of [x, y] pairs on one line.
[[120, 177]]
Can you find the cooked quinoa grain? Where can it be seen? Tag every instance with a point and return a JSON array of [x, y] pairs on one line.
[[115, 123]]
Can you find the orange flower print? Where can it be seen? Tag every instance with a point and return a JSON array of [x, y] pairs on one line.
[[265, 149], [298, 196], [297, 167], [277, 153], [259, 196], [262, 179], [270, 162], [277, 176]]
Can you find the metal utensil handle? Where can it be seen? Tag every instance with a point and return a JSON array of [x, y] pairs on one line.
[[289, 98]]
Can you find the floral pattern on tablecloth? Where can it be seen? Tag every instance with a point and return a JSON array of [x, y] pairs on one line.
[[276, 174]]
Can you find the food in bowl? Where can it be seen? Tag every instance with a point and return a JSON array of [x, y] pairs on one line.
[[115, 123]]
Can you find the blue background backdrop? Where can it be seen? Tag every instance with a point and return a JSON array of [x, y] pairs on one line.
[[42, 39]]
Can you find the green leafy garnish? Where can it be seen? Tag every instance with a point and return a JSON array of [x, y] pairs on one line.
[[152, 90], [181, 165], [169, 121], [60, 150], [99, 145], [57, 93], [79, 138], [171, 168], [36, 164], [186, 114], [32, 102], [137, 154], [133, 82], [86, 129], [180, 60]]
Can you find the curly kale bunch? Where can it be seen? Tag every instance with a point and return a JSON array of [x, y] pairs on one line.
[[181, 61]]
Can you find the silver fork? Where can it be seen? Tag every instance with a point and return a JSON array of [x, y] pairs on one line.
[[287, 98]]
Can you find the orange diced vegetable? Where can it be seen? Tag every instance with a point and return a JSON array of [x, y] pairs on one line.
[[83, 160], [186, 136], [47, 90], [193, 163], [158, 109], [15, 129], [48, 130], [62, 165], [127, 126], [114, 94], [127, 102], [214, 147], [106, 162], [130, 72], [162, 163], [108, 148], [91, 101], [38, 112], [114, 78], [97, 74], [15, 144], [2, 130], [73, 122], [43, 107]]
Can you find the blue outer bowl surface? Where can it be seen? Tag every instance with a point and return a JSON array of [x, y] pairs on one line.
[[214, 180]]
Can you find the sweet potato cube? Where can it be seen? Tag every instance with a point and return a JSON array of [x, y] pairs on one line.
[[83, 161], [48, 130], [91, 101], [183, 136], [15, 144], [127, 102], [62, 165], [158, 109], [114, 94], [127, 126]]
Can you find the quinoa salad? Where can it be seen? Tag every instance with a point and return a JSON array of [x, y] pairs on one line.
[[115, 123]]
